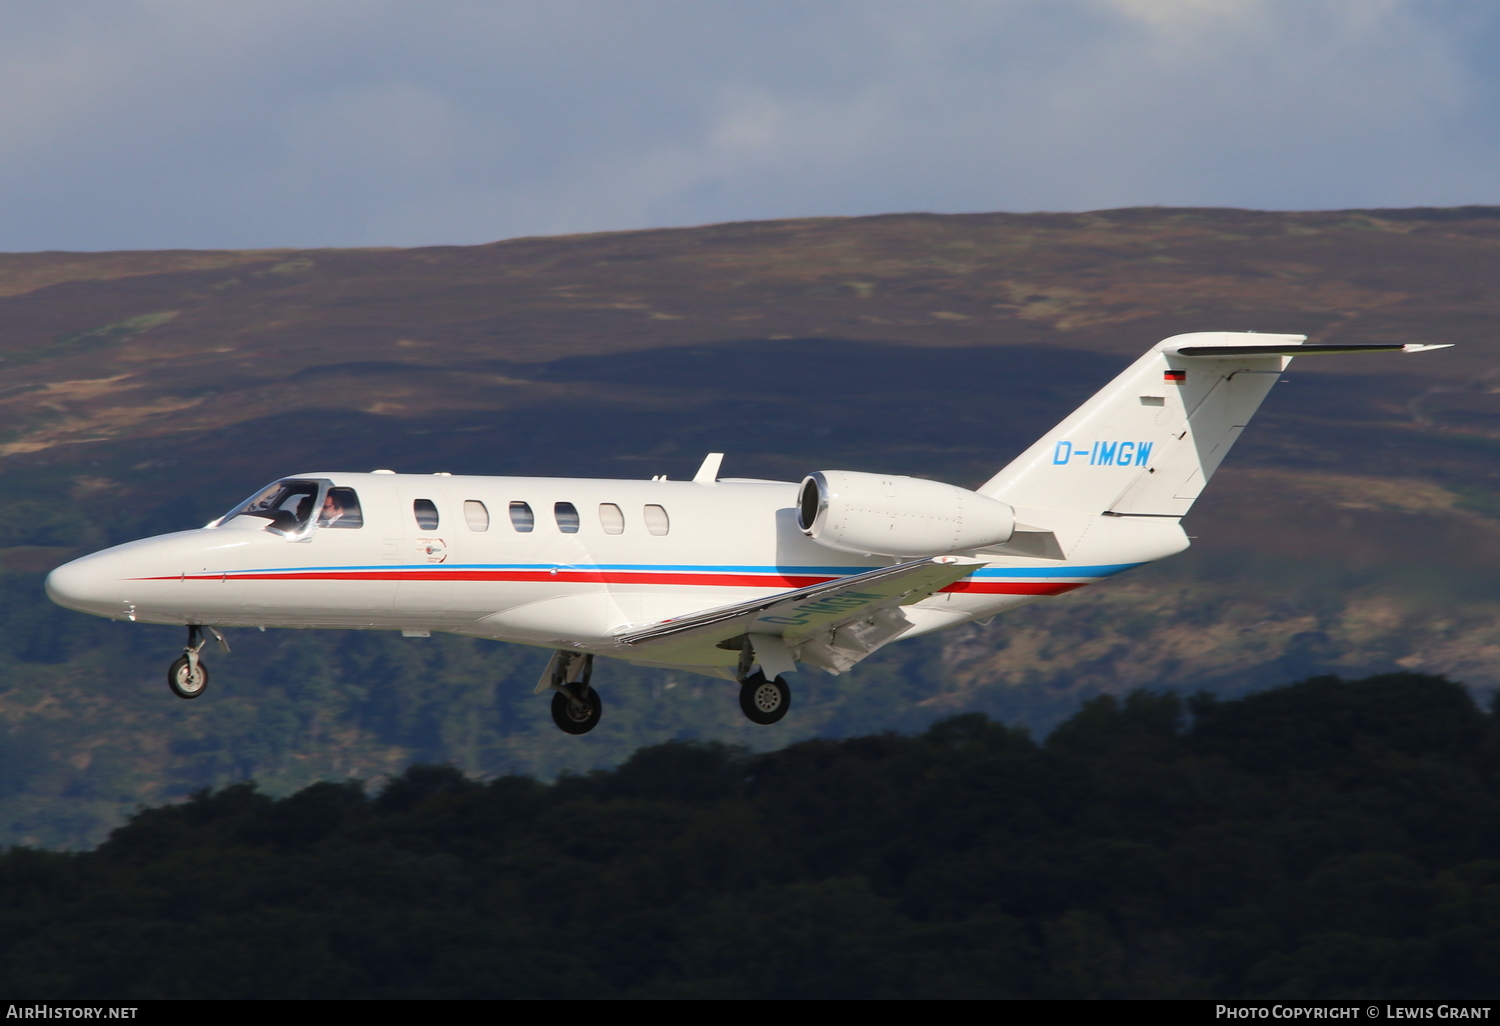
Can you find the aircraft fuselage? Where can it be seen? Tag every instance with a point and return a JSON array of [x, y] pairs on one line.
[[539, 561]]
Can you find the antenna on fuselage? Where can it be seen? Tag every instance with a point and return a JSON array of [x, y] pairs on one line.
[[709, 472]]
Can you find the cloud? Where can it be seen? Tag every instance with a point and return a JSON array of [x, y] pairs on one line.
[[161, 123]]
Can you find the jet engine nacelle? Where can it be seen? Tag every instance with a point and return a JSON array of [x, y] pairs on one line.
[[878, 514]]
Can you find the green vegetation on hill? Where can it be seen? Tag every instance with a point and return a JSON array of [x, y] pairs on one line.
[[1332, 838]]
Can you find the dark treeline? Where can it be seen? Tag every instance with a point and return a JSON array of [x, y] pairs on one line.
[[1332, 838]]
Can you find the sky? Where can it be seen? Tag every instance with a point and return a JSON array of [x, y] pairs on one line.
[[151, 124]]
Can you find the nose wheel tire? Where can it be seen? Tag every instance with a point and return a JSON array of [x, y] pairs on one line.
[[764, 701], [577, 709], [185, 681]]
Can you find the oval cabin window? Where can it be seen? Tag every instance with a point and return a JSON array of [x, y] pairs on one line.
[[657, 521], [567, 517], [425, 510], [521, 517], [611, 519], [477, 515]]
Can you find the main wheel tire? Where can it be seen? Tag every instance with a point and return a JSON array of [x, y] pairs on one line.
[[764, 701], [578, 714], [184, 682]]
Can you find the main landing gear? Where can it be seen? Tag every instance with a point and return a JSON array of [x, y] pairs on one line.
[[763, 700], [188, 676], [576, 707]]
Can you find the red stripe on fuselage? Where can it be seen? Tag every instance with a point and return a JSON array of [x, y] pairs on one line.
[[1014, 587], [570, 576], [617, 577]]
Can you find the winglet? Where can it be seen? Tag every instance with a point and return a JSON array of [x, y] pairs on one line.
[[709, 472], [1413, 347]]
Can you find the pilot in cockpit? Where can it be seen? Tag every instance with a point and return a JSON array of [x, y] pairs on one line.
[[289, 505]]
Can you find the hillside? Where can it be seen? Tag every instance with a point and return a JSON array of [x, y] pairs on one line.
[[1354, 528]]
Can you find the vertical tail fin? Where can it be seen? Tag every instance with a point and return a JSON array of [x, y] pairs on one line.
[[1147, 442]]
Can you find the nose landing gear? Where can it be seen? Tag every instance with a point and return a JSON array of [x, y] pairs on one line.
[[576, 707], [188, 676]]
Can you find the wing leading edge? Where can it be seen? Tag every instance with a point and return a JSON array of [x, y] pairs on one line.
[[833, 625]]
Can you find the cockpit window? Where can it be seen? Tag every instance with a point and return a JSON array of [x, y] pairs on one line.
[[286, 504], [340, 509]]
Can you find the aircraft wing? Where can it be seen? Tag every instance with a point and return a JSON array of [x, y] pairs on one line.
[[834, 624]]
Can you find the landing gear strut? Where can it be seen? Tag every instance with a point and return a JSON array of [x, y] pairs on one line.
[[188, 676], [763, 700], [576, 707]]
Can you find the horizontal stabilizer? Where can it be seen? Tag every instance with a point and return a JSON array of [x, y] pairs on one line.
[[1301, 349]]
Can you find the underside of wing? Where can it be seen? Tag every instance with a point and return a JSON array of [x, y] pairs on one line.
[[833, 625]]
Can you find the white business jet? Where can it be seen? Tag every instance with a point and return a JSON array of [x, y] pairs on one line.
[[735, 578]]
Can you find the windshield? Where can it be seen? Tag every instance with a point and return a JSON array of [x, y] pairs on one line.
[[286, 504]]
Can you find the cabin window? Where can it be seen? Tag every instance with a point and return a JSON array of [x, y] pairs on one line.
[[657, 521], [521, 517], [477, 515], [611, 519], [567, 517], [340, 509], [425, 510]]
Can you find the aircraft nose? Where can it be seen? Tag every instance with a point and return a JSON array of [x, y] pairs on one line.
[[90, 584]]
